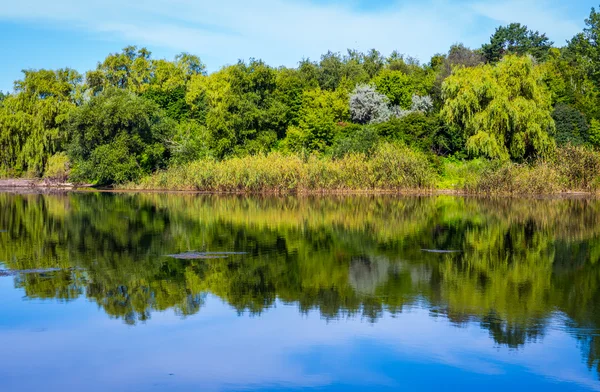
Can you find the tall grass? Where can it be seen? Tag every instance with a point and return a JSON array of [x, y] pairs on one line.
[[572, 169], [389, 168]]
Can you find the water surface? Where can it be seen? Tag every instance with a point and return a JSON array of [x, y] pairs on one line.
[[137, 292]]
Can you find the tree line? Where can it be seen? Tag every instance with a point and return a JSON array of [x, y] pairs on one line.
[[517, 98]]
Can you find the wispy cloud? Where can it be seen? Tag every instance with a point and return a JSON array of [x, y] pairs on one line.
[[284, 31]]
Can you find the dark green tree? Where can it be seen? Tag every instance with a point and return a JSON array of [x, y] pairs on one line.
[[117, 137], [585, 46], [571, 125], [516, 39]]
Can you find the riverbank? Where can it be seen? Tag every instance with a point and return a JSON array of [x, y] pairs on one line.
[[389, 169], [20, 183]]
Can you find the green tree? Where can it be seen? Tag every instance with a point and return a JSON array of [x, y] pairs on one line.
[[503, 109], [397, 86], [569, 82], [319, 116], [31, 119], [571, 126], [516, 39], [168, 85], [131, 69], [458, 56], [585, 46], [330, 71], [117, 137]]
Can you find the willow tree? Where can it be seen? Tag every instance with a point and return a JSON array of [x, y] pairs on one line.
[[503, 109], [31, 119]]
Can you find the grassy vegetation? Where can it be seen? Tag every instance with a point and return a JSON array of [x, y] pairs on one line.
[[391, 168]]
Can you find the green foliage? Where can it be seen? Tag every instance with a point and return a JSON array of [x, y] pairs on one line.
[[585, 46], [388, 167], [397, 86], [240, 106], [190, 142], [571, 126], [172, 102], [415, 129], [318, 118], [458, 56], [58, 167], [116, 137], [503, 109], [355, 139], [516, 39], [567, 78], [134, 70], [594, 133], [31, 119]]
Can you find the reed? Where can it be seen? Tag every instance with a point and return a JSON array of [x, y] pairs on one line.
[[390, 168]]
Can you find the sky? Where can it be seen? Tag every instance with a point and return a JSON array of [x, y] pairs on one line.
[[38, 34]]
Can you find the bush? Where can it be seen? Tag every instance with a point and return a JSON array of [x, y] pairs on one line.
[[414, 129], [58, 167], [355, 140], [579, 166], [110, 163], [571, 126], [369, 106]]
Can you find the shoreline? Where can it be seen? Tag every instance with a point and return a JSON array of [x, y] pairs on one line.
[[25, 186]]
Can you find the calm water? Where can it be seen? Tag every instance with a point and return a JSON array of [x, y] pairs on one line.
[[332, 293]]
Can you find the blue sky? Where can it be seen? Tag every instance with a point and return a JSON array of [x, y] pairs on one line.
[[59, 33]]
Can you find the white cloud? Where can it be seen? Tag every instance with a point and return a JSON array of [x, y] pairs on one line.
[[537, 15], [284, 31]]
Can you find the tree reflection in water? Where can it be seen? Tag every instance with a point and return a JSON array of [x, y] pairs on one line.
[[519, 261]]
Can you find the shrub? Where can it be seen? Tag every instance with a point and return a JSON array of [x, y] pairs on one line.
[[571, 126], [369, 106], [358, 140], [414, 129], [58, 167], [110, 163]]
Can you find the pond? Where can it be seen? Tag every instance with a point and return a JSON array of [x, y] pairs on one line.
[[183, 292]]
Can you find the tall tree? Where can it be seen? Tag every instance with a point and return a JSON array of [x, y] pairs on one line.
[[458, 56], [504, 109], [118, 136], [31, 118], [131, 69], [516, 39], [585, 46]]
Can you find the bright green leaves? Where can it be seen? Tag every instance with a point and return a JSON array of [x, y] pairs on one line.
[[504, 109], [397, 86], [321, 111], [31, 119]]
